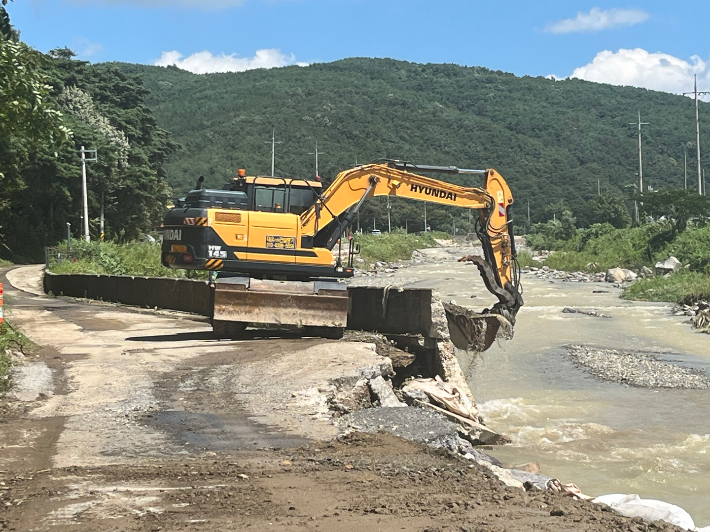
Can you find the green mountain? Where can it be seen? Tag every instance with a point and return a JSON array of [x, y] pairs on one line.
[[552, 140]]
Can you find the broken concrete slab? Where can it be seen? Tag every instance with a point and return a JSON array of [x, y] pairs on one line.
[[383, 392]]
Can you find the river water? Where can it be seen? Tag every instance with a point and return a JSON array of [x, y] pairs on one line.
[[605, 437]]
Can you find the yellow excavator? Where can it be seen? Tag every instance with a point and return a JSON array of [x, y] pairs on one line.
[[272, 239]]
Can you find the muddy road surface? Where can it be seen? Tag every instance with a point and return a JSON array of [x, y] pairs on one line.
[[143, 421]]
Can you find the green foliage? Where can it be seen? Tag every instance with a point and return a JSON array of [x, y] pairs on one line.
[[608, 209], [574, 261], [553, 234], [525, 260], [601, 247], [551, 140], [681, 287], [111, 258], [10, 339], [390, 247], [693, 247], [678, 206], [42, 98]]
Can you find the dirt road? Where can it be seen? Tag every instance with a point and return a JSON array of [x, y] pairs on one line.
[[138, 420]]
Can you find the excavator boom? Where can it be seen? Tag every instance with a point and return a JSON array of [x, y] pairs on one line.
[[336, 208]]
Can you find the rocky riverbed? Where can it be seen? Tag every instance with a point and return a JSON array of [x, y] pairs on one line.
[[633, 368]]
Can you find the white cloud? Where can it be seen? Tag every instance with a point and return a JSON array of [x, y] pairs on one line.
[[598, 20], [85, 48], [639, 68], [205, 62]]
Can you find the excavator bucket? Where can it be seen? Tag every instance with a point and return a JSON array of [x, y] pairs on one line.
[[470, 330]]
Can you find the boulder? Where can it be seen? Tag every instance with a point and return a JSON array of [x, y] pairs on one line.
[[619, 275], [670, 265]]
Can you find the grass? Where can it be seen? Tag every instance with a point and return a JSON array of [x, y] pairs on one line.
[[579, 261], [391, 247], [109, 258], [10, 339], [681, 287], [525, 260], [4, 262]]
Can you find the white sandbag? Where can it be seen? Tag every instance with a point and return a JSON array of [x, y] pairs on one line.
[[647, 509]]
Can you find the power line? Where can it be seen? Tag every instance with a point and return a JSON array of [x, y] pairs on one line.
[[697, 131]]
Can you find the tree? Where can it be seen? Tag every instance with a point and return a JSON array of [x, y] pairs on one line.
[[678, 206], [608, 208]]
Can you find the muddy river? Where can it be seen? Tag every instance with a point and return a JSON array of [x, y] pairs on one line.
[[605, 437]]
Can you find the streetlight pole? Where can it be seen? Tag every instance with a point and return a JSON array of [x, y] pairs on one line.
[[84, 193]]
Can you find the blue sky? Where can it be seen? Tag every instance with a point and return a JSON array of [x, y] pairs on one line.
[[649, 43]]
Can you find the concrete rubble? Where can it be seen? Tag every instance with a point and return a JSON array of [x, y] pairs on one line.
[[699, 314]]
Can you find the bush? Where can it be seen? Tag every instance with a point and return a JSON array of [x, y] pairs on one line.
[[10, 338], [110, 258], [526, 260], [692, 247], [681, 287], [390, 247]]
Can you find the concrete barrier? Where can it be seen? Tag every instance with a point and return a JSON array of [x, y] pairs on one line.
[[382, 310], [149, 292], [392, 311]]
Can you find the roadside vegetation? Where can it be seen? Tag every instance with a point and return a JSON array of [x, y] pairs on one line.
[[394, 246], [10, 340], [674, 223], [111, 258]]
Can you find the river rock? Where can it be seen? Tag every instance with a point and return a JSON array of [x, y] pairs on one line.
[[670, 265], [619, 275]]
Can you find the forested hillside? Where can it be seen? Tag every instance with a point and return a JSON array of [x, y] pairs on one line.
[[554, 141], [50, 106]]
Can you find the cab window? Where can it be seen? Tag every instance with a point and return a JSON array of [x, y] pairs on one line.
[[269, 199]]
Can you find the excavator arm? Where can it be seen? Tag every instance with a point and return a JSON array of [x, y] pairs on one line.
[[337, 207]]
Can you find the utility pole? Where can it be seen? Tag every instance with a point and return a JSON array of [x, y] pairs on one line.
[[389, 215], [599, 188], [528, 215], [640, 156], [697, 130], [273, 143], [101, 223], [84, 159], [316, 153], [685, 168]]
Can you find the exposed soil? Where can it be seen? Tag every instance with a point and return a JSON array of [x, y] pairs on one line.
[[362, 482], [155, 425]]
